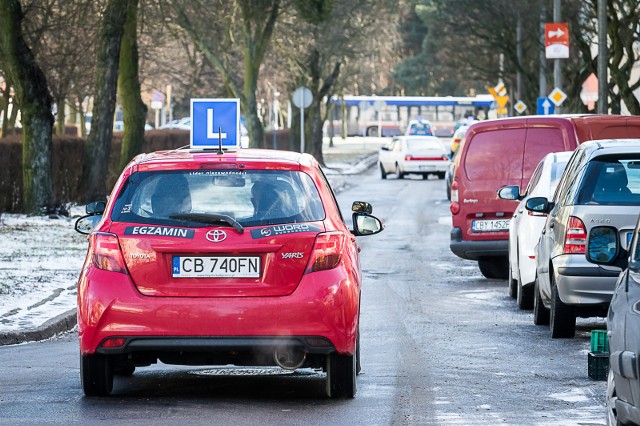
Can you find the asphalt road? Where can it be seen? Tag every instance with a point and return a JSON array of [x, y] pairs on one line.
[[441, 345]]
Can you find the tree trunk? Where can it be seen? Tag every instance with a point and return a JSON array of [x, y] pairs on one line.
[[34, 99], [60, 116], [135, 111], [99, 142]]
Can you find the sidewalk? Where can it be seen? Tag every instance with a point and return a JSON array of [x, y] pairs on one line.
[[41, 257]]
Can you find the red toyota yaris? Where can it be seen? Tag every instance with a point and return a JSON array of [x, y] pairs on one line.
[[201, 258]]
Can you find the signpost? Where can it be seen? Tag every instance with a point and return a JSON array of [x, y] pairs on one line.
[[557, 96], [545, 107], [215, 122], [302, 98], [556, 40], [520, 107], [378, 105], [499, 93]]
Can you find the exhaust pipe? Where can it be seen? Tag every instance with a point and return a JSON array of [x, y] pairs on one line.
[[289, 358]]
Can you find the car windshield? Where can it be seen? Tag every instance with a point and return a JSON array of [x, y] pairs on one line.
[[611, 181], [225, 197]]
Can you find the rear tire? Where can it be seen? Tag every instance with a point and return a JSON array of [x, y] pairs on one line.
[[525, 297], [383, 174], [96, 375], [540, 313], [513, 285], [562, 322], [441, 175], [400, 174], [494, 267], [341, 375]]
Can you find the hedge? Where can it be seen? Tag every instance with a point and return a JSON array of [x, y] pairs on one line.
[[68, 159]]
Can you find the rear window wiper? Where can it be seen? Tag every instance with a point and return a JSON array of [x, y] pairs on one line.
[[209, 218]]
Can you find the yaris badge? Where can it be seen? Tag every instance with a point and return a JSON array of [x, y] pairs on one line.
[[216, 236]]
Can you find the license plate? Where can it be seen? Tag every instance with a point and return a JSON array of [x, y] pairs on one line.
[[215, 267], [490, 225], [427, 167]]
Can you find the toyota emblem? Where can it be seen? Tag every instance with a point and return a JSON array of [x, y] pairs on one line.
[[216, 236]]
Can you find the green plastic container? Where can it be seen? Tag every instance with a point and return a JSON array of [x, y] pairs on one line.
[[598, 366], [599, 342]]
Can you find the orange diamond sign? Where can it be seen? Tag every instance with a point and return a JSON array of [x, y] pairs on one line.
[[557, 96]]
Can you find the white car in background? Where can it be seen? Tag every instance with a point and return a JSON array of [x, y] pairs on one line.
[[422, 155], [525, 226]]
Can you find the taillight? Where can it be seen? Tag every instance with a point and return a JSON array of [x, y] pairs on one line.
[[575, 240], [455, 208], [327, 251], [106, 253], [454, 192], [408, 157]]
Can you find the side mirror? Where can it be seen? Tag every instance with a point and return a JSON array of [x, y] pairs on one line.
[[96, 207], [385, 148], [364, 224], [603, 247], [362, 207], [509, 192], [85, 224], [539, 205]]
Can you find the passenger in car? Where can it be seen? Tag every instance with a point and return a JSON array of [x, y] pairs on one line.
[[612, 183], [172, 196], [269, 200]]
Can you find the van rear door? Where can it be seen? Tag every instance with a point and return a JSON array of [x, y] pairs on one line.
[[539, 142]]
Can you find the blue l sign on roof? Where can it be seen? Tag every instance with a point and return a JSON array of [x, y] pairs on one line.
[[545, 107], [212, 119]]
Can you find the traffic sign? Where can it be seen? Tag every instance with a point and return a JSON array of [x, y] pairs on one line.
[[520, 107], [302, 97], [557, 96], [213, 120], [545, 107], [499, 93], [556, 40]]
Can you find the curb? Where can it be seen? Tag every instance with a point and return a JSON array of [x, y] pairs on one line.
[[68, 320], [60, 324]]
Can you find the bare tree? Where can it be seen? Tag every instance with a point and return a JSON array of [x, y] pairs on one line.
[[134, 109], [212, 26], [98, 147], [35, 102]]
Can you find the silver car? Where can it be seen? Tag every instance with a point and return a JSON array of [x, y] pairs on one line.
[[600, 186], [623, 322]]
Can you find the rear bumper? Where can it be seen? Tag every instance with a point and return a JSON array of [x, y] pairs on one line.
[[580, 282], [474, 250], [425, 166], [325, 305]]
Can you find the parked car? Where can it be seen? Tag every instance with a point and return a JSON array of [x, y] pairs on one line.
[[422, 155], [525, 226], [183, 123], [600, 186], [505, 152], [605, 247], [457, 137], [205, 259], [419, 128]]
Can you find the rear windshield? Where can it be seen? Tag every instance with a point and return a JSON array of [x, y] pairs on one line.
[[495, 155], [252, 197], [611, 181], [420, 129]]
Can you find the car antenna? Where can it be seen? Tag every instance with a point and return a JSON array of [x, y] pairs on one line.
[[220, 151]]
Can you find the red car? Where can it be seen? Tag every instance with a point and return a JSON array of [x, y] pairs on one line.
[[200, 258]]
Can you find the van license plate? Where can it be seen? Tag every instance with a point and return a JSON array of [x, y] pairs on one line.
[[490, 225], [215, 267]]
